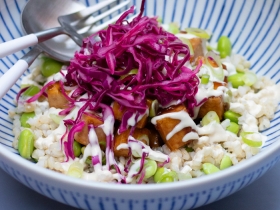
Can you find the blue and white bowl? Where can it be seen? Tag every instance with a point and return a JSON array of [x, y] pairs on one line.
[[253, 27]]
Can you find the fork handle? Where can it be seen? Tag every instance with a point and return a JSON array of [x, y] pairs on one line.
[[15, 45], [12, 46], [10, 77]]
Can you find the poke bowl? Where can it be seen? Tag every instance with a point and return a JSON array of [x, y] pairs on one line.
[[204, 166]]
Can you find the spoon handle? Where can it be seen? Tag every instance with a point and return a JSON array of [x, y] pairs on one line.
[[8, 79]]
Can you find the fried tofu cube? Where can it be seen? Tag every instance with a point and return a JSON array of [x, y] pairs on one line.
[[122, 138], [56, 98], [215, 104], [165, 125], [82, 136], [198, 46], [119, 111]]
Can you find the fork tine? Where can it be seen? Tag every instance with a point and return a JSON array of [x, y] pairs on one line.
[[86, 12], [104, 25], [83, 23]]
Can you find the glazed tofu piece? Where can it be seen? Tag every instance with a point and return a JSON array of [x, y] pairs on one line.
[[82, 136], [119, 111], [165, 125], [198, 46], [215, 104], [142, 134], [55, 97]]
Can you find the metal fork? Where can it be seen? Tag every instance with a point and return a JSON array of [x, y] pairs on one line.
[[75, 25]]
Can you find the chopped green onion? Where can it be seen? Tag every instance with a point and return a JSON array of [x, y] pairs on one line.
[[233, 127], [154, 108], [164, 175], [224, 46], [218, 72], [25, 117], [250, 78], [150, 167], [210, 48], [75, 170], [210, 117], [209, 168], [31, 91], [232, 116], [184, 176], [56, 118], [252, 139], [132, 71], [225, 162], [77, 148], [205, 79], [187, 42], [173, 28], [26, 143], [198, 32]]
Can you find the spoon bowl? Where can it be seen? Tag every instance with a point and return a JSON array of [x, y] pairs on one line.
[[62, 47]]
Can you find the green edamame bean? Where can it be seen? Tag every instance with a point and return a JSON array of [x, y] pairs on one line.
[[233, 127], [236, 80], [25, 117], [225, 162], [77, 148], [26, 143], [224, 46], [32, 90], [232, 116], [209, 168], [50, 67]]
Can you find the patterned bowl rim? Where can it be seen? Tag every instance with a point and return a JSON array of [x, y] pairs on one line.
[[264, 155]]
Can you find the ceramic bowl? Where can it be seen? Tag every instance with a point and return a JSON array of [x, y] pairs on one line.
[[253, 27]]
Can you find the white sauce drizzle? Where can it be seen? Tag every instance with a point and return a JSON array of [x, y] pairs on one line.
[[93, 149], [136, 148], [190, 136], [183, 116], [122, 146]]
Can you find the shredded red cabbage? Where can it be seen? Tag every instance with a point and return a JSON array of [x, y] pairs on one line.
[[140, 44]]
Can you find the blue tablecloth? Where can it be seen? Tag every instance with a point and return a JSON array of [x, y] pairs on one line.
[[263, 194]]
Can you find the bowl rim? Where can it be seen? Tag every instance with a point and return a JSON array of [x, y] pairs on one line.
[[195, 182]]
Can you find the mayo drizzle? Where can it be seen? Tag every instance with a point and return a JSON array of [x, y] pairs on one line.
[[183, 116], [93, 149]]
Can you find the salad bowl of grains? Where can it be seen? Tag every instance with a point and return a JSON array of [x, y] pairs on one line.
[[171, 109]]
